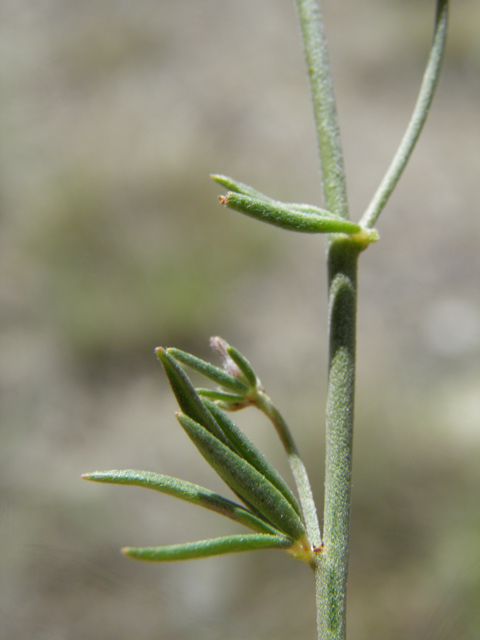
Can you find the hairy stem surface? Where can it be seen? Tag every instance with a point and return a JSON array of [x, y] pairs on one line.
[[332, 562], [324, 106]]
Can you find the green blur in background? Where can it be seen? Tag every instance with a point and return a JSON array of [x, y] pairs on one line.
[[112, 242]]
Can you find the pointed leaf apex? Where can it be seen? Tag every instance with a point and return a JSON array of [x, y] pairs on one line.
[[239, 187], [159, 351], [188, 399]]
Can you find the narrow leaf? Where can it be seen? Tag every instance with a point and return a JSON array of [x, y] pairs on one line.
[[245, 448], [217, 375], [311, 209], [239, 187], [283, 216], [244, 479], [244, 365], [188, 399], [207, 548], [184, 491], [227, 398]]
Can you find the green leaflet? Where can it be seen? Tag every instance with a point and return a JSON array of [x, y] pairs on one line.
[[184, 491], [239, 187], [245, 480], [228, 399], [206, 548], [217, 375], [192, 406], [247, 450], [310, 209], [244, 366], [284, 216], [188, 399]]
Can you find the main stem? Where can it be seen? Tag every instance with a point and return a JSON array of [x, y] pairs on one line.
[[332, 563]]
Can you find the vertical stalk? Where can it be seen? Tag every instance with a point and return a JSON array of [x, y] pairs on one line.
[[324, 106], [332, 564]]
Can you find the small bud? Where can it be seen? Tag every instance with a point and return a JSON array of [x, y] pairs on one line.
[[220, 346]]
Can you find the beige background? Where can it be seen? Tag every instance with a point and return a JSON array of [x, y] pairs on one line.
[[112, 116]]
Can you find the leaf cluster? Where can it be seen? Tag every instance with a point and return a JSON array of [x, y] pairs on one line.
[[269, 507]]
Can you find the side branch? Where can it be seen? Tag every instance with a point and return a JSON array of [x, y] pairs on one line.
[[419, 116]]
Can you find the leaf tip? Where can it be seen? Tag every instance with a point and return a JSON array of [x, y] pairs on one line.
[[223, 199], [162, 354]]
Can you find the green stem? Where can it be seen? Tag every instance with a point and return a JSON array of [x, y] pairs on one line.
[[324, 106], [332, 562], [299, 472], [419, 116]]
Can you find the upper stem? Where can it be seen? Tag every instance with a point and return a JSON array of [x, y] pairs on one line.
[[332, 562], [324, 106]]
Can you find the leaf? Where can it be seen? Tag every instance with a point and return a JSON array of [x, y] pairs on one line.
[[282, 215], [310, 209], [244, 479], [188, 399], [184, 491], [207, 548], [239, 187], [244, 366], [245, 448], [229, 400], [217, 375]]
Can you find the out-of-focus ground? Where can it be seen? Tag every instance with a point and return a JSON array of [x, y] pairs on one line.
[[112, 242]]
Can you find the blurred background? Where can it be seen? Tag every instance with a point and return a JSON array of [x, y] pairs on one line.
[[112, 242]]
